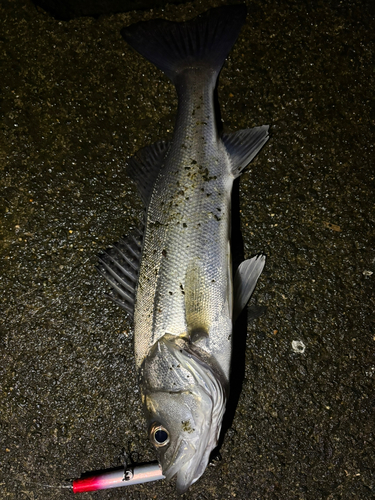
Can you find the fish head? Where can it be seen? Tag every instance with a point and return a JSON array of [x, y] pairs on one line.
[[184, 401]]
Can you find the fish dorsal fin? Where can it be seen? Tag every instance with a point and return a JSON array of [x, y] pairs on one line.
[[244, 145], [144, 167], [196, 301], [245, 279], [120, 266]]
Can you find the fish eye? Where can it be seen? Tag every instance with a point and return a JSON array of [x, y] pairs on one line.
[[159, 435]]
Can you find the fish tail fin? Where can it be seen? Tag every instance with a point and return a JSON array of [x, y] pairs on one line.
[[203, 42]]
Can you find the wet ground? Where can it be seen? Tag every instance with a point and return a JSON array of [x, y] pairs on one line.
[[75, 103]]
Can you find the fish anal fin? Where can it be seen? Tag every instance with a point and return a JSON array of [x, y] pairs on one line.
[[245, 280], [144, 167], [244, 145]]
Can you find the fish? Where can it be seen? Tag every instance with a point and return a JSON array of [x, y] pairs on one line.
[[174, 274]]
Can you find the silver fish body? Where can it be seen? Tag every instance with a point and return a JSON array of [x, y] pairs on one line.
[[186, 250], [184, 299]]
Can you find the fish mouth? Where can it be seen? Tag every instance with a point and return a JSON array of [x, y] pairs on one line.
[[186, 465], [182, 456], [190, 473]]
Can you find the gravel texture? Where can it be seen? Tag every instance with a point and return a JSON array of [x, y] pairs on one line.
[[76, 101]]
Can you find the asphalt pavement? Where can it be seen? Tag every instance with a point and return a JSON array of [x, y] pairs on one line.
[[75, 103]]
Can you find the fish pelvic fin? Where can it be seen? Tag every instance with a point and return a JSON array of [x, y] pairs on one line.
[[245, 280], [244, 145], [203, 42]]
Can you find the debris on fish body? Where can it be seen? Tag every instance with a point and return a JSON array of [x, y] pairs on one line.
[[175, 275]]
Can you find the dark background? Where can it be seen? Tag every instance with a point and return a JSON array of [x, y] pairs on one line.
[[76, 101]]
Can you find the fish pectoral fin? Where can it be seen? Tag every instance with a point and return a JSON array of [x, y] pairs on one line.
[[144, 167], [244, 145], [196, 301], [245, 279]]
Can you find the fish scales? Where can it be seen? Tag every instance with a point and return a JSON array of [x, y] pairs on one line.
[[188, 221], [175, 275]]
